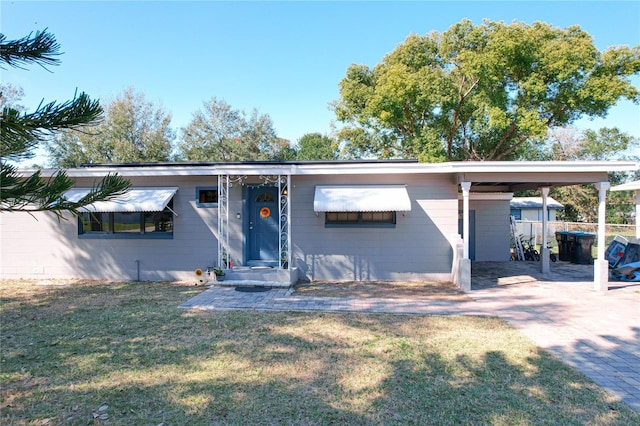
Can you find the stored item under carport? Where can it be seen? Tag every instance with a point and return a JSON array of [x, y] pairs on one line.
[[615, 251]]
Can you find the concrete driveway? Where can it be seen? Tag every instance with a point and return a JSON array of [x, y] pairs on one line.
[[598, 333]]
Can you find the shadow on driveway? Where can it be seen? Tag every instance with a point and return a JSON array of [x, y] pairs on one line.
[[596, 332]]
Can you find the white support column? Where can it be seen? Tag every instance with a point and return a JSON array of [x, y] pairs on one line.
[[600, 265], [466, 187], [464, 264], [544, 251]]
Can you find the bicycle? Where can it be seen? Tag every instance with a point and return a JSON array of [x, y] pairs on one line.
[[530, 252]]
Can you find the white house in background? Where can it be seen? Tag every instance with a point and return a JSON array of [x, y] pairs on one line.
[[278, 222], [530, 208]]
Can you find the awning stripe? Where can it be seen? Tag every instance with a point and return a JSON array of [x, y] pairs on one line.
[[361, 198], [135, 200]]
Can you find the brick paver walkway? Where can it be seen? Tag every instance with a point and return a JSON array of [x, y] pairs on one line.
[[597, 333]]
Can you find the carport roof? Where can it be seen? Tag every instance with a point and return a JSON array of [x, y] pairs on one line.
[[629, 186]]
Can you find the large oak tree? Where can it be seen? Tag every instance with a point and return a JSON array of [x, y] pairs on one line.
[[480, 92]]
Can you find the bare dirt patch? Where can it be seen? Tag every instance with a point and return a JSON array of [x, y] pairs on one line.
[[430, 290]]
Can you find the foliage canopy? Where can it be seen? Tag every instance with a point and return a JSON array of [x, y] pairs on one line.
[[134, 130], [220, 133], [315, 146], [581, 201], [480, 92]]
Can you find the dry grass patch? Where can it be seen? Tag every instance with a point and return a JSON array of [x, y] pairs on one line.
[[123, 353], [427, 290]]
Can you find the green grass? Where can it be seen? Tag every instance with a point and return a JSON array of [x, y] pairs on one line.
[[92, 353]]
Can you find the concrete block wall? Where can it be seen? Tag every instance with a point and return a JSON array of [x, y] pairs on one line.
[[43, 247], [416, 248], [492, 238]]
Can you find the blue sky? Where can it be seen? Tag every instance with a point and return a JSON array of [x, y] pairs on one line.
[[283, 58]]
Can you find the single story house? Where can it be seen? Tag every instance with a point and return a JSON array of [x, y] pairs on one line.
[[530, 208], [279, 222]]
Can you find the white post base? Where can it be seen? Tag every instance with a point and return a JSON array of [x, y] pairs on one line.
[[465, 274], [545, 266], [600, 275]]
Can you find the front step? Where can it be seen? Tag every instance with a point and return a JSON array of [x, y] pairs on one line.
[[259, 277]]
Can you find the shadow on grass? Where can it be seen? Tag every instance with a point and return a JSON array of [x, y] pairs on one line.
[[68, 351]]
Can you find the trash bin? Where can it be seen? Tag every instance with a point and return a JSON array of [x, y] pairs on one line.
[[571, 246], [563, 246], [583, 245]]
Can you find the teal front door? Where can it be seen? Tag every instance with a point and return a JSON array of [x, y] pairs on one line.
[[262, 226]]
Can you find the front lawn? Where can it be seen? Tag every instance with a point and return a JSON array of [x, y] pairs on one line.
[[124, 354]]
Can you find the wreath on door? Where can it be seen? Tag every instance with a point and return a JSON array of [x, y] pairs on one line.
[[265, 212]]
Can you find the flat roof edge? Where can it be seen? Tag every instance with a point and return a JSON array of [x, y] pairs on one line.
[[345, 167]]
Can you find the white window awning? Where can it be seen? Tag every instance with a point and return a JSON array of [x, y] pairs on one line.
[[135, 200], [361, 198]]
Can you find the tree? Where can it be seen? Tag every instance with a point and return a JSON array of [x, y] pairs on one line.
[[581, 201], [20, 133], [279, 150], [486, 92], [314, 146], [134, 130], [221, 133], [569, 144], [10, 97]]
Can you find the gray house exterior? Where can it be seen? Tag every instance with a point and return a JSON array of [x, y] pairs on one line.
[[329, 221]]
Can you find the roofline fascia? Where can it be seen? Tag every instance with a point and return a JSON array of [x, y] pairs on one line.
[[351, 168]]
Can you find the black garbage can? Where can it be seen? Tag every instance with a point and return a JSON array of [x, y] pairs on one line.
[[563, 246], [583, 245], [571, 246]]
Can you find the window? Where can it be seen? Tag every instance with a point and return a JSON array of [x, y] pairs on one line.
[[127, 225], [516, 213], [207, 196], [265, 198], [360, 219], [94, 223]]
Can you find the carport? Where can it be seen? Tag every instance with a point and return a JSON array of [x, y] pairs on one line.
[[509, 177]]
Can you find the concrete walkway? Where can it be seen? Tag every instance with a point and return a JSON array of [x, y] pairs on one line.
[[598, 333]]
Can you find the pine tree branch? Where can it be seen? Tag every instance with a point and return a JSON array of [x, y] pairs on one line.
[[40, 49], [36, 193], [20, 133]]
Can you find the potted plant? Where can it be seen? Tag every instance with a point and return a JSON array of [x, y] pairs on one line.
[[219, 273]]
